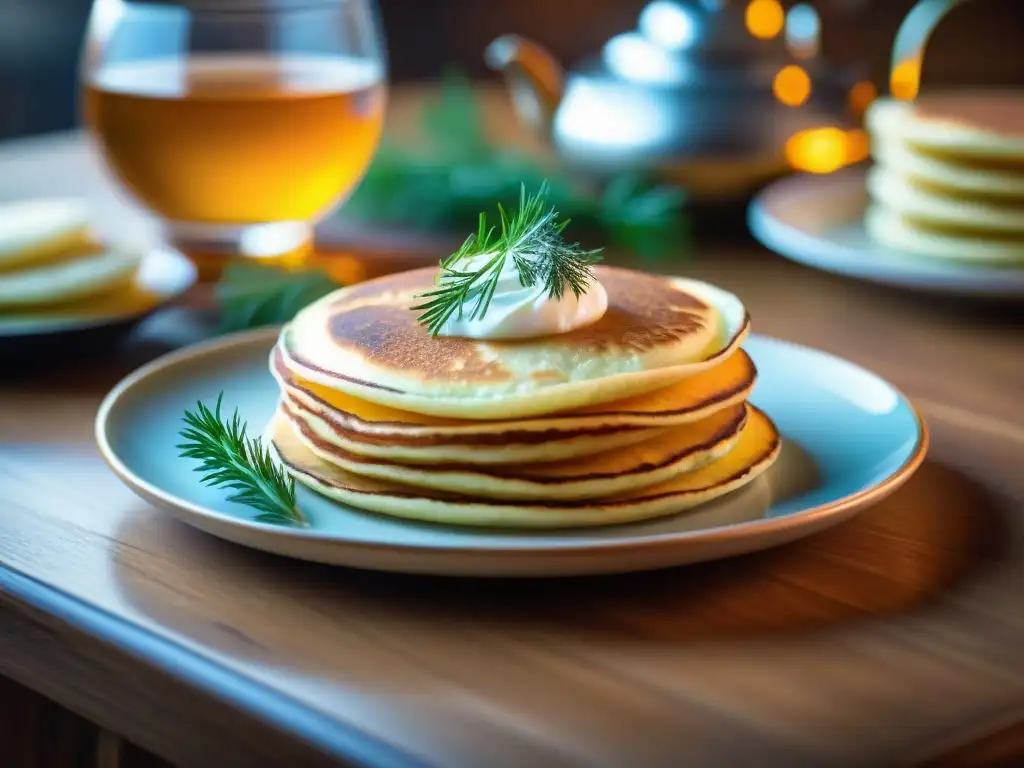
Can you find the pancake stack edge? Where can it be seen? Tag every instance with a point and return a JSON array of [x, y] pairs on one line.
[[684, 440], [948, 180]]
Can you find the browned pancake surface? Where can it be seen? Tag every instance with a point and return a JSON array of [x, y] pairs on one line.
[[374, 321], [650, 405]]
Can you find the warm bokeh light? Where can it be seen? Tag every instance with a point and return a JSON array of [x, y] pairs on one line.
[[906, 79], [343, 268], [861, 96], [765, 18], [858, 146], [824, 150], [792, 85]]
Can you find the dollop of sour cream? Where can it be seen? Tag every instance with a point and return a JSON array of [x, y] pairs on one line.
[[516, 312]]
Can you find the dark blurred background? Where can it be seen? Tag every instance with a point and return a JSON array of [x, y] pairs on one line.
[[39, 42]]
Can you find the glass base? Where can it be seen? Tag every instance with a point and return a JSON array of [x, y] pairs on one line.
[[286, 244]]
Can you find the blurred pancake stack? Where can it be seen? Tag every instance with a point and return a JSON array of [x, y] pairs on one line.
[[949, 176], [50, 259], [642, 414]]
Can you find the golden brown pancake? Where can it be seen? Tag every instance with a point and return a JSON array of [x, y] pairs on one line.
[[929, 239], [73, 279], [926, 203], [988, 126], [673, 452], [963, 176], [36, 231], [754, 453], [365, 341], [949, 183], [373, 430]]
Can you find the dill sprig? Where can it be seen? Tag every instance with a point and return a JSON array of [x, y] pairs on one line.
[[252, 295], [532, 238], [231, 459]]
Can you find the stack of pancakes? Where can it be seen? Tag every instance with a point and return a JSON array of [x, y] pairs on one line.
[[49, 257], [949, 176], [640, 415]]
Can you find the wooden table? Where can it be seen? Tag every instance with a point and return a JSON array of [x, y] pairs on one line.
[[893, 639]]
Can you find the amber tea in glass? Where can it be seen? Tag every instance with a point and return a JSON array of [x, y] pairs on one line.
[[239, 150]]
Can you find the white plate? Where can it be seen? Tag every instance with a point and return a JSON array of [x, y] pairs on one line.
[[817, 221], [850, 440]]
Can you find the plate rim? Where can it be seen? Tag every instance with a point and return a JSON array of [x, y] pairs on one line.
[[71, 325], [268, 335], [793, 243]]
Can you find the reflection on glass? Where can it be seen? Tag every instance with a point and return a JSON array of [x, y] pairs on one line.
[[633, 56]]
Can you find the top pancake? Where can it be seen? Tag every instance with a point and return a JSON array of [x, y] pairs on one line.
[[983, 125], [365, 341]]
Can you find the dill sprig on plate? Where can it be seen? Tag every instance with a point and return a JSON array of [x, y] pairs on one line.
[[252, 295], [532, 238], [231, 459]]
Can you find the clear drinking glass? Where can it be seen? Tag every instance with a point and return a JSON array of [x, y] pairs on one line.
[[238, 122]]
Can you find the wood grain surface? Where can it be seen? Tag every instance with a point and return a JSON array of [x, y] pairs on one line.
[[890, 640]]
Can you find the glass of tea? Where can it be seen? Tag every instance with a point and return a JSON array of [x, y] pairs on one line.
[[239, 123]]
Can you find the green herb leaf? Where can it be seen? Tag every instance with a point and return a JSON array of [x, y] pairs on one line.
[[231, 459], [252, 295], [646, 217], [532, 238], [455, 126], [444, 182]]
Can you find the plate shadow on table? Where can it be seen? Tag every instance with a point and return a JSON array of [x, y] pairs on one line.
[[938, 531], [103, 354], [34, 354]]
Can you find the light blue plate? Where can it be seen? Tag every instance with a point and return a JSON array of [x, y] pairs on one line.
[[849, 440], [818, 221]]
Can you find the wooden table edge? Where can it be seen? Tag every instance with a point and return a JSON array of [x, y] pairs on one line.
[[39, 614]]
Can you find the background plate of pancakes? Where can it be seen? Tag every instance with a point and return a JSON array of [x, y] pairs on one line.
[[940, 209], [62, 290], [660, 435]]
